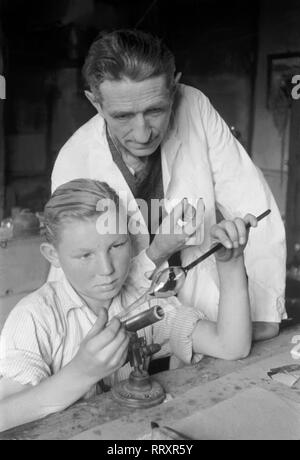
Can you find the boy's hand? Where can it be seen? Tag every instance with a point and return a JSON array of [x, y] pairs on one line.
[[104, 350], [233, 235], [172, 235]]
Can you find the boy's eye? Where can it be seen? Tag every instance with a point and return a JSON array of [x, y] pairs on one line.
[[118, 245], [86, 256]]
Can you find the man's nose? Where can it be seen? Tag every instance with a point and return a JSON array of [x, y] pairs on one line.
[[104, 265], [142, 130]]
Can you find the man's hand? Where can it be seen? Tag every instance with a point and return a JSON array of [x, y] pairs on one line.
[[104, 350], [175, 230], [233, 235]]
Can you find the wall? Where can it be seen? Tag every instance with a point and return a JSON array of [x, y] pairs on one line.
[[2, 157], [279, 33]]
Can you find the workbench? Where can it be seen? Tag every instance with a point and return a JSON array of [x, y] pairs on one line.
[[191, 389]]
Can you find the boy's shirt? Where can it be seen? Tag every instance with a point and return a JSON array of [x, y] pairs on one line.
[[43, 332]]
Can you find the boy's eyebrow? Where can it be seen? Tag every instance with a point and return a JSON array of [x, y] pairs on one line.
[[78, 250]]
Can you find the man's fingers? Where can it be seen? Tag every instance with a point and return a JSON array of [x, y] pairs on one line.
[[99, 324], [189, 212], [195, 218], [178, 211]]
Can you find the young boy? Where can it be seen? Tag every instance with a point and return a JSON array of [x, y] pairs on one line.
[[62, 340]]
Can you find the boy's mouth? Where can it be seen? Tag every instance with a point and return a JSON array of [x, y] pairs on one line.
[[107, 286]]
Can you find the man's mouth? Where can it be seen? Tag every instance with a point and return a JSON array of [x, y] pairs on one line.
[[145, 146]]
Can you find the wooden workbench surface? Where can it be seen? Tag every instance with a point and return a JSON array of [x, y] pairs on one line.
[[191, 389]]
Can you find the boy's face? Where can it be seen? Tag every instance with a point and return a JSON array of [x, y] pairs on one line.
[[95, 264]]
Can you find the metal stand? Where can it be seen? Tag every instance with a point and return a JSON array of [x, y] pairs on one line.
[[139, 391]]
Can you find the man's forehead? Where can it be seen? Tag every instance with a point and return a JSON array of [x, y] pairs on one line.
[[118, 94]]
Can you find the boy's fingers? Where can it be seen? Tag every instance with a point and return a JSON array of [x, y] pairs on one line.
[[99, 324], [232, 233], [242, 230], [250, 219], [107, 335], [117, 350], [220, 235]]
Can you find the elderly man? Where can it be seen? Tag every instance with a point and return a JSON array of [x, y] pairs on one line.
[[154, 138]]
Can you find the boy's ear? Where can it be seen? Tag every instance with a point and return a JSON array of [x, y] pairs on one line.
[[50, 253], [90, 96]]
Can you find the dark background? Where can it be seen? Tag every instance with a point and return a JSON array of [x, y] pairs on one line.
[[226, 48], [44, 47]]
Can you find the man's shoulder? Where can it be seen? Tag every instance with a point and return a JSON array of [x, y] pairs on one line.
[[78, 154], [84, 135], [191, 102], [190, 93]]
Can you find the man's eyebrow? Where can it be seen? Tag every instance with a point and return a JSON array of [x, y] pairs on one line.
[[155, 105], [120, 114]]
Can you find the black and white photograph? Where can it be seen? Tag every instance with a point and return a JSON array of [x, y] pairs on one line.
[[149, 226]]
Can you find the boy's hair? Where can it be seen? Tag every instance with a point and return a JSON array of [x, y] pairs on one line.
[[79, 199], [125, 53]]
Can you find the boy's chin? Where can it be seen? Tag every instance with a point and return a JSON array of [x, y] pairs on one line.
[[105, 295]]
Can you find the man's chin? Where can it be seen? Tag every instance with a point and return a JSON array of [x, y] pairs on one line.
[[144, 151]]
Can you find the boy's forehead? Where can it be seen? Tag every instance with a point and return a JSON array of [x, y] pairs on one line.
[[110, 223]]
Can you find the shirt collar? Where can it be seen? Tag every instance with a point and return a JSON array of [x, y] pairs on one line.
[[70, 298]]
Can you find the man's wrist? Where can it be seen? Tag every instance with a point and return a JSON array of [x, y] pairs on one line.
[[155, 256]]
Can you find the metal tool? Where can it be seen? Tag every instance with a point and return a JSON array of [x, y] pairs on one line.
[[140, 391], [169, 281]]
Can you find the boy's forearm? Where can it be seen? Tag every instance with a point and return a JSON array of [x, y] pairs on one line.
[[52, 395], [234, 326]]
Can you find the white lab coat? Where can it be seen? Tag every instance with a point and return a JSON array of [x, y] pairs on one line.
[[200, 158]]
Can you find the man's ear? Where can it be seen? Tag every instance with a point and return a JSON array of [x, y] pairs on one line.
[[177, 78], [90, 96], [50, 253], [176, 81]]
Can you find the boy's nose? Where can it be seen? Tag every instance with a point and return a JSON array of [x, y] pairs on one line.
[[104, 265]]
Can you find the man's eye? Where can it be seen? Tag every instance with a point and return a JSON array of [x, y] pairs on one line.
[[155, 111], [123, 117]]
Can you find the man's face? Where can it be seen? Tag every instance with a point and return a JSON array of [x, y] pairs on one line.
[[96, 265], [137, 113]]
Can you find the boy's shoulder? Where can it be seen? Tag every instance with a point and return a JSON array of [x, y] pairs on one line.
[[40, 304]]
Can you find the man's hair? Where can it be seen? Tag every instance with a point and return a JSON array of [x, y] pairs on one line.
[[79, 199], [129, 54]]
